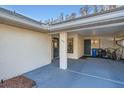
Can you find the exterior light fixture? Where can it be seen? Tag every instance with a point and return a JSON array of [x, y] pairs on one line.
[[94, 41]]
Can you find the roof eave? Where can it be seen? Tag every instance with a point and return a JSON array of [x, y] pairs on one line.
[[7, 17]]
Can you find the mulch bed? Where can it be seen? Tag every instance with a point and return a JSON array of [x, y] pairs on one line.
[[18, 82]]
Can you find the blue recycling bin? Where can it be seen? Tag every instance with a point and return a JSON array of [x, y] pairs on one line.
[[94, 52]]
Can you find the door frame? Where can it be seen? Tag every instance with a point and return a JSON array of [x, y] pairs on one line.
[[54, 47], [90, 48]]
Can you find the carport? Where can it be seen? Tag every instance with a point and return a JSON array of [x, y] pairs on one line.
[[103, 29], [89, 72]]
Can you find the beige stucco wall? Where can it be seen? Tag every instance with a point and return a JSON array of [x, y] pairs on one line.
[[78, 45], [97, 44], [75, 45], [106, 42], [22, 50]]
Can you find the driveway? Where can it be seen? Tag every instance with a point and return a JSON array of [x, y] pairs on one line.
[[81, 73]]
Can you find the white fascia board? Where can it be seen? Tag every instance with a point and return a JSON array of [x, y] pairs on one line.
[[22, 21], [89, 20], [97, 27]]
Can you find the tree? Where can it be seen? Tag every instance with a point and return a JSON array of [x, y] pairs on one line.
[[73, 15], [95, 8], [106, 7], [112, 6], [84, 10], [61, 17], [101, 8]]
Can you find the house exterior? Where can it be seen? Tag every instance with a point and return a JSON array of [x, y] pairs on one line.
[[26, 44]]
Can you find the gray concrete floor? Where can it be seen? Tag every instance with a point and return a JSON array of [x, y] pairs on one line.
[[81, 73]]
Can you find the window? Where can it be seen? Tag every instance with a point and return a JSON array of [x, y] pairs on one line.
[[70, 45]]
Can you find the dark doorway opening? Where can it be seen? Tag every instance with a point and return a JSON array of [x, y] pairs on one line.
[[55, 48], [87, 47]]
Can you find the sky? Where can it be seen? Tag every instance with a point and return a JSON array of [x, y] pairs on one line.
[[43, 12]]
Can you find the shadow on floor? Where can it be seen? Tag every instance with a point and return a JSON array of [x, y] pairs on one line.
[[81, 73]]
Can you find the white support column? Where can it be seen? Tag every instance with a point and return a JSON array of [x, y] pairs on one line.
[[63, 50]]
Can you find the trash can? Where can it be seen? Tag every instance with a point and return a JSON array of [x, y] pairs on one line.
[[94, 52]]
